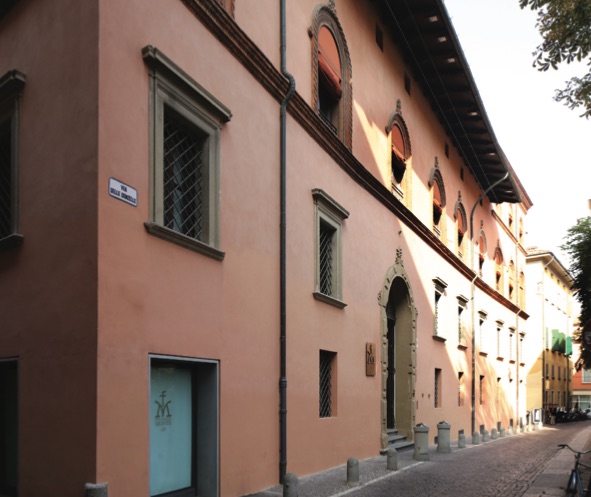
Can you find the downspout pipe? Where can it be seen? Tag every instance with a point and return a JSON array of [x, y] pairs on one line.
[[283, 252], [472, 292]]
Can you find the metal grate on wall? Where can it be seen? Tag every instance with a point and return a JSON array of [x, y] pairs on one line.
[[325, 258], [326, 383], [183, 176]]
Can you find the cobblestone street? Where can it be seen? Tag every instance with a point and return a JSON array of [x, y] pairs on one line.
[[523, 465]]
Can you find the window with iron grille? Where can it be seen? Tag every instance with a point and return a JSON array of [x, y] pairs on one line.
[[440, 287], [329, 223], [437, 388], [11, 87], [326, 391], [186, 124]]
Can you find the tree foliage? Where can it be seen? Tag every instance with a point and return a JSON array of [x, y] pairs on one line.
[[565, 26], [578, 247]]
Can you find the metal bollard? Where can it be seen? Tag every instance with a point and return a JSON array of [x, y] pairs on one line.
[[290, 485], [475, 438], [443, 438], [392, 461], [461, 441], [421, 442], [96, 490], [352, 471]]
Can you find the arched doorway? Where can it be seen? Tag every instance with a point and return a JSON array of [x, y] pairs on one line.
[[398, 354]]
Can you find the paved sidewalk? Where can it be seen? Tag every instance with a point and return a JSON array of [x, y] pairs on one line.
[[549, 479]]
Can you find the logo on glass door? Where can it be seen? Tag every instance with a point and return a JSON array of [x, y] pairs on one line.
[[163, 416]]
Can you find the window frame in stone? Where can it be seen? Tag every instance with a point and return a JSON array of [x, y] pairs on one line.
[[340, 104], [329, 216], [175, 96], [11, 88]]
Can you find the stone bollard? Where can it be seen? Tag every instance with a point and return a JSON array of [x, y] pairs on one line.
[[475, 438], [510, 431], [493, 434], [485, 436], [421, 442], [96, 490], [352, 471], [502, 432], [392, 461], [443, 438], [290, 485], [461, 441]]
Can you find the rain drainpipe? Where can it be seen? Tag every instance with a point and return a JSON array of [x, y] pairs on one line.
[[472, 292], [282, 254]]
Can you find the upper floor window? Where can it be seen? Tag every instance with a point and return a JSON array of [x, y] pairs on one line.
[[186, 124], [11, 87], [332, 93], [400, 151], [499, 270], [438, 197], [481, 251], [521, 295], [461, 225]]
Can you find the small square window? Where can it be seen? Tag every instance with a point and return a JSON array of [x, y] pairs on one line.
[[327, 383], [329, 220], [186, 124], [11, 87]]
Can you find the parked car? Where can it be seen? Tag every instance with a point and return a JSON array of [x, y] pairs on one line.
[[588, 413]]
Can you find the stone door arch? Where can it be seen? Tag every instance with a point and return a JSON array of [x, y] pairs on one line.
[[398, 352]]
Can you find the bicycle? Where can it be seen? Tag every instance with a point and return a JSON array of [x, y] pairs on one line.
[[575, 482]]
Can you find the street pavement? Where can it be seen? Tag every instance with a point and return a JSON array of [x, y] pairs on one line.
[[527, 464]]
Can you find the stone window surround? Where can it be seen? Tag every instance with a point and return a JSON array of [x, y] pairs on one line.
[[171, 86]]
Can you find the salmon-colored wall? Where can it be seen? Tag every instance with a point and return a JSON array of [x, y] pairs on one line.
[[49, 284], [111, 294]]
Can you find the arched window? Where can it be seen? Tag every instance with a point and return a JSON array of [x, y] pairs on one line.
[[331, 71], [499, 269], [461, 224], [400, 151], [438, 196], [511, 286], [481, 251]]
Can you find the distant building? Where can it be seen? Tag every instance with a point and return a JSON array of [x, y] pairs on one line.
[[551, 305], [210, 277]]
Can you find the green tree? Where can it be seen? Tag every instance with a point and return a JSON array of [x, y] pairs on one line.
[[565, 26], [578, 247]]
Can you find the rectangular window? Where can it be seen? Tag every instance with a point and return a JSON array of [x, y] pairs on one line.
[[11, 87], [499, 389], [8, 427], [461, 389], [482, 392], [462, 303], [586, 375], [553, 372], [547, 369], [327, 384], [185, 129], [511, 345], [482, 332], [329, 223], [438, 318], [184, 427], [437, 388]]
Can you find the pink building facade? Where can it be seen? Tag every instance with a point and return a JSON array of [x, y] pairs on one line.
[[211, 277]]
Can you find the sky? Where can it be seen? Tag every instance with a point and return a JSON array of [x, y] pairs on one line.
[[547, 144]]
